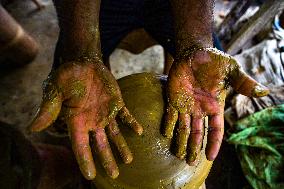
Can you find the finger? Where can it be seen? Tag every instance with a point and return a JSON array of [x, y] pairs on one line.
[[129, 120], [48, 112], [119, 142], [182, 135], [215, 136], [195, 140], [244, 84], [80, 144], [171, 118], [105, 154]]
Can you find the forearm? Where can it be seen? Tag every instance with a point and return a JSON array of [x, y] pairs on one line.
[[193, 24], [79, 29]]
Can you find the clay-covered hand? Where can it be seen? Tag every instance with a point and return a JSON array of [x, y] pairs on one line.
[[197, 88], [88, 97]]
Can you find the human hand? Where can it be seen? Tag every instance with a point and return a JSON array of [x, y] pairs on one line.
[[197, 88], [88, 98]]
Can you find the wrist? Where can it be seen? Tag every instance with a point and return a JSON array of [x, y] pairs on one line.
[[92, 59], [189, 51], [79, 28], [187, 42], [193, 22]]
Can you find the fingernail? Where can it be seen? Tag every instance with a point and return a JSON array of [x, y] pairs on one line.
[[260, 91], [114, 174], [89, 175], [140, 130], [127, 158], [169, 136], [212, 156], [192, 163], [180, 154], [137, 127], [167, 133], [192, 157]]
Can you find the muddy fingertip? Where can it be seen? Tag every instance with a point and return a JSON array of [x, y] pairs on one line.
[[167, 135], [114, 174], [140, 130], [260, 91], [128, 159], [192, 163]]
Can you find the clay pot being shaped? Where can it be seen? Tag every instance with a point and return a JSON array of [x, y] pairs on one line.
[[153, 166]]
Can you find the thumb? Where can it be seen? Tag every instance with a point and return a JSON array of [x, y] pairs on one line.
[[244, 84], [48, 111]]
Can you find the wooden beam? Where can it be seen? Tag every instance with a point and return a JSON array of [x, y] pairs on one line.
[[225, 29], [256, 23]]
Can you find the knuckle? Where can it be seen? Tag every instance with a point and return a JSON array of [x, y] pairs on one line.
[[197, 131], [215, 141], [184, 128]]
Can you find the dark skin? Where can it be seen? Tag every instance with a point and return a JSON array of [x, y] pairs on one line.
[[198, 80], [87, 96], [84, 93]]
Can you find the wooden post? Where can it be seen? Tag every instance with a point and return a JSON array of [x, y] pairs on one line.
[[15, 44], [225, 29], [264, 15]]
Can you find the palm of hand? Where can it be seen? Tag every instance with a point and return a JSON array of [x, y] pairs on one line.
[[93, 94], [197, 88], [88, 98]]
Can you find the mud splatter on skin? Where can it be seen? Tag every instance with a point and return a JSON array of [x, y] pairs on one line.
[[82, 90], [52, 96], [151, 150], [207, 79], [183, 132], [78, 89], [90, 99], [197, 86], [194, 153]]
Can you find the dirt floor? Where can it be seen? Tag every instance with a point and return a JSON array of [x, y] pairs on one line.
[[20, 93]]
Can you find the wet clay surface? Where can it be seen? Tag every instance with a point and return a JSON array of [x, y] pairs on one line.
[[158, 167]]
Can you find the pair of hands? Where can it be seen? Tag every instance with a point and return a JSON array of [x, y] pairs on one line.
[[86, 94]]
